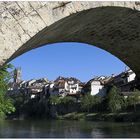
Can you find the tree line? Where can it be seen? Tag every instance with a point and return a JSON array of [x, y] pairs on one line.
[[112, 102]]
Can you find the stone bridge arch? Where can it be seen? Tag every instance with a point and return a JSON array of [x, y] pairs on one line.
[[112, 26]]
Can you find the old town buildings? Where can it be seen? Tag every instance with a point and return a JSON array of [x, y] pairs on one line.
[[62, 86], [125, 82]]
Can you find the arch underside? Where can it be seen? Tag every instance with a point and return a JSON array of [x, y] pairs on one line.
[[114, 29]]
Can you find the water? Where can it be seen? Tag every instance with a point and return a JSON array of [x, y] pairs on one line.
[[67, 129]]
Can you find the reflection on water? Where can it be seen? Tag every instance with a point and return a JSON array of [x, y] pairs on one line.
[[67, 129]]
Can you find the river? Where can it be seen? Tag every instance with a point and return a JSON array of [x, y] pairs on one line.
[[67, 129]]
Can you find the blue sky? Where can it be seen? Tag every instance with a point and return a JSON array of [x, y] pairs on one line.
[[78, 60]]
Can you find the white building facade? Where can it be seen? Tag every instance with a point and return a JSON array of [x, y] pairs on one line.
[[97, 88], [131, 76]]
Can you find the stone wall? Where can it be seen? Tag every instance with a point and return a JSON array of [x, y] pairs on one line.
[[112, 26]]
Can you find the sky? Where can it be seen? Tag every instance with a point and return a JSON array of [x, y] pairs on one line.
[[78, 60]]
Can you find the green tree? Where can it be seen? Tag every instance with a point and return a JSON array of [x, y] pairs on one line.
[[6, 103], [134, 99], [88, 102], [115, 101], [4, 77], [67, 100], [54, 99], [97, 102]]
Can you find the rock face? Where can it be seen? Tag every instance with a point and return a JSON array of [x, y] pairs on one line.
[[112, 26]]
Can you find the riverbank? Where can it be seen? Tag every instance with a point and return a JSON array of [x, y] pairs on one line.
[[113, 117]]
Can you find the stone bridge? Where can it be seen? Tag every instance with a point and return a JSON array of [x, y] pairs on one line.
[[112, 26]]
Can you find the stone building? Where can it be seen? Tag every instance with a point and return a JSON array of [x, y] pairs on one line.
[[125, 81], [17, 75], [96, 86], [67, 86]]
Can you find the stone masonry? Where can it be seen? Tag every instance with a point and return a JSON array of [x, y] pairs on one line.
[[112, 26]]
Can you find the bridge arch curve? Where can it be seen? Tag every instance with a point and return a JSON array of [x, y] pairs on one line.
[[111, 28]]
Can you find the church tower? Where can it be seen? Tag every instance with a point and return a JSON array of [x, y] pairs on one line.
[[17, 75]]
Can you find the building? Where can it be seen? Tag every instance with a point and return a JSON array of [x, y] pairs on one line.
[[96, 86], [72, 86], [17, 75], [125, 81], [67, 86]]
